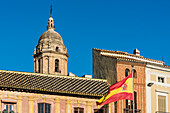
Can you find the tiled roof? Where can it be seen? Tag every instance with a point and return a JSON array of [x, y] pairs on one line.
[[53, 83]]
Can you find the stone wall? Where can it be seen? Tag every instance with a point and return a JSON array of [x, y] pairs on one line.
[[104, 67]]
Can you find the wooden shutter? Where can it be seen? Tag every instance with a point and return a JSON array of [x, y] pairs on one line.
[[162, 103]]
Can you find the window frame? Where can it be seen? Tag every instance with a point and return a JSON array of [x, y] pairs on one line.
[[162, 94], [79, 108], [43, 110], [9, 105], [160, 79]]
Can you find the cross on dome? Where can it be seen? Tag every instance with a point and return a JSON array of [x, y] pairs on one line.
[[51, 21], [51, 11]]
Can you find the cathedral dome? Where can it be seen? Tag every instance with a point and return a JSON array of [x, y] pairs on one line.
[[51, 40], [52, 36]]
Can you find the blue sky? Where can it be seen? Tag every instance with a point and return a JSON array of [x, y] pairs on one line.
[[84, 24]]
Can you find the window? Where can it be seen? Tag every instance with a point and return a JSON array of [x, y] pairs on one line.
[[161, 79], [39, 65], [98, 111], [44, 108], [127, 72], [8, 108], [161, 103], [78, 110], [129, 103], [56, 65], [57, 48], [134, 73]]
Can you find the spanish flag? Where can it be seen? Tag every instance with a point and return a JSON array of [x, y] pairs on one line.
[[118, 91]]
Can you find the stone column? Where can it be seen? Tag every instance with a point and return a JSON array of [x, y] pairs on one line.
[[31, 105], [19, 104], [51, 65], [57, 105], [35, 66], [68, 106], [42, 69], [88, 107]]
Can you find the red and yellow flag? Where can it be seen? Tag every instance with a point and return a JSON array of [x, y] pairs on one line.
[[118, 91]]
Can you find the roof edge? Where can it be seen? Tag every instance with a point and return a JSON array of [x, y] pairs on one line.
[[125, 53], [52, 75]]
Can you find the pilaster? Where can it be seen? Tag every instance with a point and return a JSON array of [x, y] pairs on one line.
[[88, 106], [68, 106], [31, 105], [108, 110], [19, 104], [78, 103], [57, 105], [45, 64]]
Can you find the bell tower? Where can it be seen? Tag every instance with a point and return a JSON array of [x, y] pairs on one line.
[[50, 55]]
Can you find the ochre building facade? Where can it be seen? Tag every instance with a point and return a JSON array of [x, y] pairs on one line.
[[158, 88]]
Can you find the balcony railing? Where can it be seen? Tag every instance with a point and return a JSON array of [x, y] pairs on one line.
[[126, 110]]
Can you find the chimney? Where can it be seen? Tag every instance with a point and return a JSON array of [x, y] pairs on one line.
[[71, 74], [87, 76], [136, 52]]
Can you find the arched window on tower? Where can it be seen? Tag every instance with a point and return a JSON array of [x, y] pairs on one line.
[[127, 72], [134, 73], [57, 49], [56, 65], [51, 25]]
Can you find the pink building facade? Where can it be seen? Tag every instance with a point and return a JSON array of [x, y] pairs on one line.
[[23, 94]]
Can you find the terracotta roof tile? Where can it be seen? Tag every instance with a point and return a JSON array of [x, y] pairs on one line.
[[53, 83]]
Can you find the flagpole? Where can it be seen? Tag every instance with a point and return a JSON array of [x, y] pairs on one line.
[[133, 92]]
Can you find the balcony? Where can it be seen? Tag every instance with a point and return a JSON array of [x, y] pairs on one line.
[[126, 110]]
